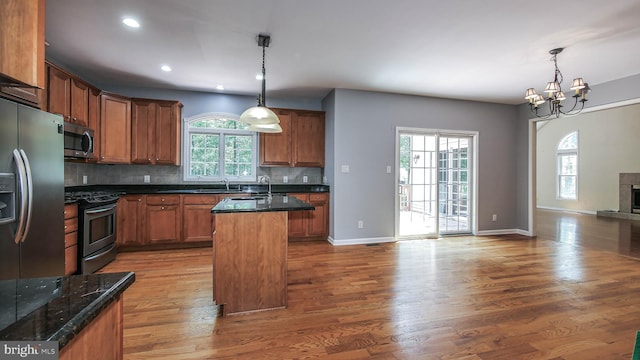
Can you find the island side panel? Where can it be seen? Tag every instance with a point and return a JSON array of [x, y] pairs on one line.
[[251, 261]]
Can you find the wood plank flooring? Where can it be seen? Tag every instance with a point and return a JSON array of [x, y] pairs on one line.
[[501, 297]]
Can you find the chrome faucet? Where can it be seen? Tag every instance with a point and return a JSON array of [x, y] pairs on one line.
[[266, 179], [226, 183]]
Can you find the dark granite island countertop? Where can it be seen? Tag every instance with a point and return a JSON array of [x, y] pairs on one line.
[[260, 204], [56, 308]]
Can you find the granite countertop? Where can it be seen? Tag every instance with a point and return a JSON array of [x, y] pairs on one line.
[[203, 188], [56, 308], [260, 204]]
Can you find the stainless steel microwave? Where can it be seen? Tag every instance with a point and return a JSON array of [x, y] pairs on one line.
[[78, 141]]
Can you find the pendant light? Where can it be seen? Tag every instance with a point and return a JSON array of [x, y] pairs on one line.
[[260, 117]]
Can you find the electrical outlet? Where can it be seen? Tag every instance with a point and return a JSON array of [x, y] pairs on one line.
[[345, 168], [494, 217], [285, 179], [305, 179], [360, 224], [388, 169], [147, 178], [84, 179]]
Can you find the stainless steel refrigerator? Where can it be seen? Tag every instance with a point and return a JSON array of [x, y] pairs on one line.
[[31, 192]]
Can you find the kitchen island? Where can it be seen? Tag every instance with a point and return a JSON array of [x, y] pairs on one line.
[[250, 252], [83, 313]]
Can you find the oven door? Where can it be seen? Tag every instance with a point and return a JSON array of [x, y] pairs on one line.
[[99, 228]]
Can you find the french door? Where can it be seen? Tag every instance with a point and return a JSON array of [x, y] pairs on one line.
[[434, 178]]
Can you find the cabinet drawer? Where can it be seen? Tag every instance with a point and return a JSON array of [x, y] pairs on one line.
[[163, 199], [200, 200], [70, 211], [317, 197], [70, 239], [70, 225]]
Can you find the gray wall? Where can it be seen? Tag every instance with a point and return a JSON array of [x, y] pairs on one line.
[[602, 94], [362, 130]]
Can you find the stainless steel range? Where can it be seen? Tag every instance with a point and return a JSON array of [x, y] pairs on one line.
[[96, 228]]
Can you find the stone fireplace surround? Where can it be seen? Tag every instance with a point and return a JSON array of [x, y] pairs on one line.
[[626, 183]]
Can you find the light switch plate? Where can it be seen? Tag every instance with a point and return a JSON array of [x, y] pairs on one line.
[[345, 168]]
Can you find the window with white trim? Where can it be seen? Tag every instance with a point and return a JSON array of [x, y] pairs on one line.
[[567, 154], [218, 146]]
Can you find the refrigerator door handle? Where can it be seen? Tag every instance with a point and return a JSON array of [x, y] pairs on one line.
[[27, 167], [22, 177]]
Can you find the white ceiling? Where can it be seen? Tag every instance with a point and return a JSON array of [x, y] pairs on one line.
[[465, 49]]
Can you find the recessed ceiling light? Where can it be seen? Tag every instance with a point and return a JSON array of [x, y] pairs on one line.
[[166, 68], [131, 22], [220, 87]]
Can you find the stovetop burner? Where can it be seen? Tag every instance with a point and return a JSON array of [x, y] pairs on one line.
[[92, 197]]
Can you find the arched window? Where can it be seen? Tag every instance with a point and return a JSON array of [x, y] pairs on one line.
[[218, 146], [567, 154]]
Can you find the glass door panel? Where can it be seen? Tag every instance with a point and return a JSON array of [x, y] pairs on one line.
[[434, 182]]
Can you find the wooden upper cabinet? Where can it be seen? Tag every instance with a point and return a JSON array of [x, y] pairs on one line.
[[155, 127], [115, 129], [275, 148], [301, 142], [58, 92], [79, 102], [308, 139], [67, 96], [22, 42], [94, 121]]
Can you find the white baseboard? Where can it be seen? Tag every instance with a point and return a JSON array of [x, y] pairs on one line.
[[589, 212], [503, 232], [361, 241]]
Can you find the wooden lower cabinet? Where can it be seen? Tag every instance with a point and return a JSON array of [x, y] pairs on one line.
[[174, 220], [101, 339], [197, 219], [130, 220], [70, 239], [163, 215], [310, 224]]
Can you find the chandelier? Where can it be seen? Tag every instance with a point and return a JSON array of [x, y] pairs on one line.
[[555, 96], [260, 118]]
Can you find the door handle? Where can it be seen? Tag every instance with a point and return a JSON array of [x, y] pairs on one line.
[[27, 167], [22, 179]]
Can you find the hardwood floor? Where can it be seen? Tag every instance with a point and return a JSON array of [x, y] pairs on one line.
[[500, 297]]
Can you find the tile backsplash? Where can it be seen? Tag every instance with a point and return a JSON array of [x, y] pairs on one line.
[[99, 174]]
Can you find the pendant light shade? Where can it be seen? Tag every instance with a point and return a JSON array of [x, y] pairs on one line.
[[266, 128], [259, 115], [260, 118]]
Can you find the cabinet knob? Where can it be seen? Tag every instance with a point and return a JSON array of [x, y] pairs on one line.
[[139, 200], [65, 212], [75, 119], [149, 159], [163, 200], [162, 208], [68, 116], [65, 227]]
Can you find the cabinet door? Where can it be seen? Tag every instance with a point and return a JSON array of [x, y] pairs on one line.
[[318, 221], [79, 102], [130, 219], [163, 224], [143, 114], [275, 149], [308, 139], [115, 129], [59, 93], [28, 96], [94, 121], [22, 41], [298, 219], [197, 219], [163, 219], [166, 132]]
